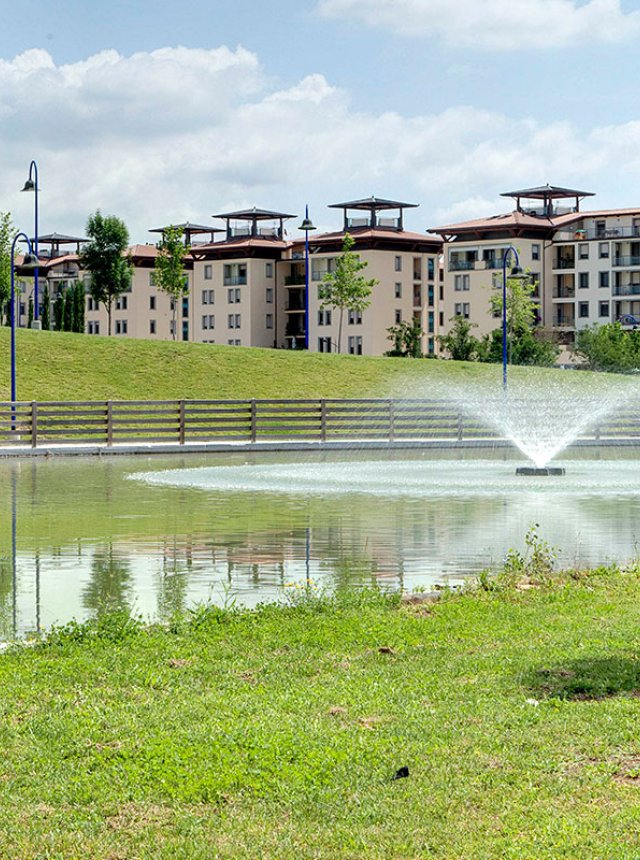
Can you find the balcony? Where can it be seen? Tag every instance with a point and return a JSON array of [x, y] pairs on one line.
[[565, 263], [295, 281], [626, 261], [235, 280], [564, 293], [564, 322], [627, 290], [461, 265], [295, 305], [417, 298]]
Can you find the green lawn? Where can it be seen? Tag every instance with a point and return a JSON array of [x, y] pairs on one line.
[[276, 733], [61, 366]]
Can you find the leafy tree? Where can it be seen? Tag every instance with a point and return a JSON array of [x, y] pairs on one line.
[[459, 342], [170, 274], [7, 231], [58, 313], [344, 288], [30, 312], [104, 258], [46, 308], [68, 321], [79, 301], [609, 347], [406, 338]]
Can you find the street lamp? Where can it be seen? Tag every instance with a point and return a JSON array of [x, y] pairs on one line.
[[32, 185], [30, 262], [516, 272], [306, 225]]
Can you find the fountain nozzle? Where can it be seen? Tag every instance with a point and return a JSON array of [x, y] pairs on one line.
[[535, 472]]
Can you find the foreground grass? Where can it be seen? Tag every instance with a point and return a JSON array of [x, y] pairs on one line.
[[276, 733], [63, 366]]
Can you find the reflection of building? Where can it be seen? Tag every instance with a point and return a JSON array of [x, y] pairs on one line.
[[587, 264]]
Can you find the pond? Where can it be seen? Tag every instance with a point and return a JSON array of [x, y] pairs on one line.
[[156, 535]]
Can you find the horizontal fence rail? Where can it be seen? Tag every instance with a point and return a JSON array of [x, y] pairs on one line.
[[111, 423]]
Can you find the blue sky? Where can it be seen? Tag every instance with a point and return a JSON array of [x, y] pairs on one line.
[[275, 104]]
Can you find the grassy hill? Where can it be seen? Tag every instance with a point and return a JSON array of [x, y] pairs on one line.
[[61, 366]]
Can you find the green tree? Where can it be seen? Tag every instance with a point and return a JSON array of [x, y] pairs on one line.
[[170, 275], [30, 312], [80, 303], [58, 312], [459, 342], [46, 308], [344, 288], [406, 338], [7, 231], [68, 321], [104, 258], [609, 347]]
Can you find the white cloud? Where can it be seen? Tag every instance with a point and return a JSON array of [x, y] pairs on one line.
[[502, 25], [177, 134]]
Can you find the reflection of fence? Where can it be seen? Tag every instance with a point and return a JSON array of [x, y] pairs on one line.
[[182, 422]]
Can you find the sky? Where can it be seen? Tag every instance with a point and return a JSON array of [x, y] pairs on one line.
[[161, 112]]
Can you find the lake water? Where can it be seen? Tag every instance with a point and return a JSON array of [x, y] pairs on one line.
[[155, 535]]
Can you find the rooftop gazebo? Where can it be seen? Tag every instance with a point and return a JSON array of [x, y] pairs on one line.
[[57, 241], [189, 230], [547, 194], [372, 220], [251, 220]]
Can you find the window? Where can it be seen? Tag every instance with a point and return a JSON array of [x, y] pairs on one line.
[[121, 327], [152, 279], [185, 306], [269, 320], [604, 279], [268, 270], [441, 319], [355, 345], [417, 268], [269, 295], [233, 296], [397, 265], [324, 344], [231, 321], [208, 321], [208, 297], [535, 252], [208, 272], [152, 326], [463, 310], [432, 322], [583, 251], [461, 283], [398, 316], [432, 346], [431, 269], [152, 303], [238, 321], [92, 304], [583, 282], [603, 250], [355, 317], [235, 274], [431, 296], [583, 309], [121, 303], [324, 317], [603, 309], [398, 291], [601, 227], [185, 330], [93, 328]]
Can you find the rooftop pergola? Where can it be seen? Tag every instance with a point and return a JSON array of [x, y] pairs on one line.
[[374, 205], [252, 217], [58, 240], [189, 230], [547, 194]]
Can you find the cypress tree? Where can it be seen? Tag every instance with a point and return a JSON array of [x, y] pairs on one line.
[[58, 313], [80, 307], [68, 317], [30, 316], [46, 308]]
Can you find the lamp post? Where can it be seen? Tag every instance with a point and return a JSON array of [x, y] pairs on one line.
[[32, 185], [306, 226], [30, 262], [515, 271]]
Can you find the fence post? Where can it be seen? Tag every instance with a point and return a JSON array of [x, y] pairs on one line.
[[109, 423], [460, 426], [181, 425], [254, 421], [323, 420], [34, 424], [392, 421]]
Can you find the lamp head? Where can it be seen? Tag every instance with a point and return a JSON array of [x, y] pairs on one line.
[[29, 185], [517, 274], [306, 225], [30, 262]]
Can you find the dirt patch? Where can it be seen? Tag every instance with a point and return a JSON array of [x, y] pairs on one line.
[[179, 663]]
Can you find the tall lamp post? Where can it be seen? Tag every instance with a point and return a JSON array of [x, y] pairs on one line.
[[306, 226], [515, 272], [30, 262], [32, 185]]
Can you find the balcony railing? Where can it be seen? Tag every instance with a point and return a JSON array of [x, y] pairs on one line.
[[626, 261], [461, 265], [565, 293], [565, 263], [564, 322], [295, 281], [235, 280], [295, 305], [626, 290]]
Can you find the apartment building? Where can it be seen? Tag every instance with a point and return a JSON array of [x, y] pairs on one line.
[[585, 264]]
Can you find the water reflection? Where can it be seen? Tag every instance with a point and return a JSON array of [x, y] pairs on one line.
[[80, 537]]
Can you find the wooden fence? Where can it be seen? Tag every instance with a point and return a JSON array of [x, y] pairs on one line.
[[199, 421]]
